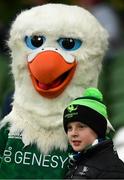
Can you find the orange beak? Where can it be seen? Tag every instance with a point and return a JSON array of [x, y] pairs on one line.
[[50, 73]]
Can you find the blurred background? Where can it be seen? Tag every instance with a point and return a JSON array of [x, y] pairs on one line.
[[111, 82]]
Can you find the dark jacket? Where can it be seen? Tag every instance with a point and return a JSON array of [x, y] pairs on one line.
[[99, 162]]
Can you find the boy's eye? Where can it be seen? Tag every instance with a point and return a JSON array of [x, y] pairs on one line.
[[82, 126], [69, 128], [69, 44], [35, 41]]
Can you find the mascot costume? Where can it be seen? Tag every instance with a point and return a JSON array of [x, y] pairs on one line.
[[56, 51]]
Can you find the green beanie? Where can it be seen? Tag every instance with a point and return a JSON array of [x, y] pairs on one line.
[[89, 110]]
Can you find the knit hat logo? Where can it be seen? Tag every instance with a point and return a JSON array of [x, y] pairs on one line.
[[72, 111], [71, 108]]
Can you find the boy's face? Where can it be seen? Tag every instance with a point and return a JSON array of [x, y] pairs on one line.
[[80, 135]]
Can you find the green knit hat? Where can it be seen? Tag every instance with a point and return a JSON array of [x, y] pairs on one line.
[[89, 110], [93, 99]]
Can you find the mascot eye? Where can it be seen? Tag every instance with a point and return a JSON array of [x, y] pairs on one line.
[[34, 42], [69, 44]]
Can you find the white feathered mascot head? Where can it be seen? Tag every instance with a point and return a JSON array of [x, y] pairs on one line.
[[57, 51]]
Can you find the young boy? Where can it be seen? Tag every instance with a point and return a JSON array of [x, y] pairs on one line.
[[85, 122]]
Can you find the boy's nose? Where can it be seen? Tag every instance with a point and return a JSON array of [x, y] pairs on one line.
[[74, 132]]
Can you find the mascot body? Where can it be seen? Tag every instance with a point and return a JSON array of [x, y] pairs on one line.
[[56, 51]]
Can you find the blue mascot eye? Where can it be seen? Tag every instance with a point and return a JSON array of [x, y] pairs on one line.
[[34, 42], [69, 44]]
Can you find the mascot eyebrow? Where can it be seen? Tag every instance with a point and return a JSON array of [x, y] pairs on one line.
[[53, 61]]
